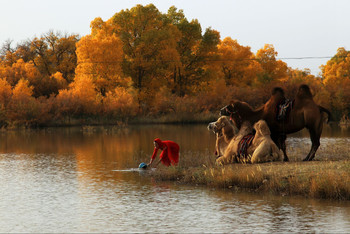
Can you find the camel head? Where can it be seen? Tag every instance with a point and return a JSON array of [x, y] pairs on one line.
[[237, 111], [226, 110], [304, 92], [230, 109], [219, 124], [262, 128]]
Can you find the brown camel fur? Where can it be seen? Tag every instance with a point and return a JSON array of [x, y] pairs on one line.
[[305, 113], [262, 148]]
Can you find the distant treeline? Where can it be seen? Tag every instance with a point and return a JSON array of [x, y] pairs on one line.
[[144, 63]]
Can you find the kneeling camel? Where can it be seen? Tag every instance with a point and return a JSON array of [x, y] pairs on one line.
[[224, 131], [262, 149]]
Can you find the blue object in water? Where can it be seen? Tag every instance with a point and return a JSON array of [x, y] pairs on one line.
[[143, 165]]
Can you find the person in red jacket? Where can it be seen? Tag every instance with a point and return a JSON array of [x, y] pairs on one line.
[[168, 156]]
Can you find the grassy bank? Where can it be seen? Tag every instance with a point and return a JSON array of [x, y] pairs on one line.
[[316, 179]]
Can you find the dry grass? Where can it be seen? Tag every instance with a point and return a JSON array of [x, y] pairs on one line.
[[316, 179]]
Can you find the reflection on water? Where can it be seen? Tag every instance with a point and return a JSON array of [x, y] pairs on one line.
[[67, 180]]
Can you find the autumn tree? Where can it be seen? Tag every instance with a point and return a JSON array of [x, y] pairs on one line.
[[55, 53], [273, 69], [51, 53], [195, 50], [149, 41], [7, 53], [39, 61], [237, 63], [5, 92], [5, 98], [80, 99], [42, 85], [99, 57], [22, 107], [336, 78]]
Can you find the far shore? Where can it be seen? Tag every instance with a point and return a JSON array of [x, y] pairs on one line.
[[185, 118]]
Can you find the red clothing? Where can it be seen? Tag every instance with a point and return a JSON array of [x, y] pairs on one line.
[[170, 152]]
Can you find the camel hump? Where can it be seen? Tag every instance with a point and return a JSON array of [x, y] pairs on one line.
[[278, 90], [304, 92]]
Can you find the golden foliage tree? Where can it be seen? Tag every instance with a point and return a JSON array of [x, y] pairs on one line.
[[84, 94], [336, 78], [22, 108], [99, 57], [237, 63], [42, 85], [120, 103], [5, 92], [55, 53], [149, 41], [273, 69], [195, 52]]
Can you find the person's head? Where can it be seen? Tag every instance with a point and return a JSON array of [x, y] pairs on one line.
[[157, 143]]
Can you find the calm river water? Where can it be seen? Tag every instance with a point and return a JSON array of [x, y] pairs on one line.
[[85, 180]]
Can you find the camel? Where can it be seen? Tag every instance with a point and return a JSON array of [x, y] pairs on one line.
[[262, 149], [224, 131], [305, 113]]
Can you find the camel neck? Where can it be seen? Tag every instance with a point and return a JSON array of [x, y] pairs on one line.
[[256, 114]]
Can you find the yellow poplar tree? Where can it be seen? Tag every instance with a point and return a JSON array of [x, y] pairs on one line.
[[237, 63], [195, 52], [149, 44], [5, 92], [336, 78], [84, 93], [273, 69], [99, 57], [22, 107]]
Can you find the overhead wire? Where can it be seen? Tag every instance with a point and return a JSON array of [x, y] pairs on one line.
[[223, 60]]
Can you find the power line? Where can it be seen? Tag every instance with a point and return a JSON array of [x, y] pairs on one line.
[[311, 57], [225, 60]]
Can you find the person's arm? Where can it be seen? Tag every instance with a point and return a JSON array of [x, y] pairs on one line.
[[160, 159], [153, 157], [158, 162]]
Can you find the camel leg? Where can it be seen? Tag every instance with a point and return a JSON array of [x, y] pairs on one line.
[[260, 155], [284, 147], [315, 140], [280, 141]]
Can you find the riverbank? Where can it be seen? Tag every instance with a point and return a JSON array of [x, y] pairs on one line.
[[315, 179], [180, 118]]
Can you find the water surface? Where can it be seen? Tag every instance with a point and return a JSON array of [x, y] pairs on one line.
[[85, 180]]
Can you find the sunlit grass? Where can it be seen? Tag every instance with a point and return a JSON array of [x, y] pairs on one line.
[[317, 179]]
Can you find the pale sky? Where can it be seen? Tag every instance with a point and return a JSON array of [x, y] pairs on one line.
[[296, 28]]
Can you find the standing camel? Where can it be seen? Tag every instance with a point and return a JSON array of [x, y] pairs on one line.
[[305, 113]]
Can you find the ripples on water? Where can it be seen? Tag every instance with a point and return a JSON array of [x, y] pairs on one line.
[[76, 183]]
